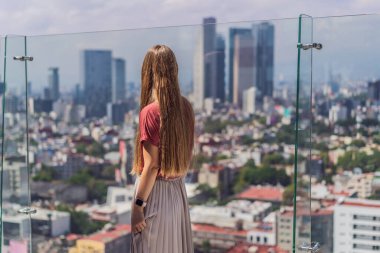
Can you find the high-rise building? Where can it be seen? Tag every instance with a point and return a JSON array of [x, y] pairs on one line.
[[118, 80], [218, 73], [374, 90], [337, 112], [209, 36], [53, 80], [231, 55], [39, 105], [97, 81], [249, 100], [263, 34], [243, 66], [198, 74], [116, 112], [209, 65], [78, 96], [357, 226], [47, 93]]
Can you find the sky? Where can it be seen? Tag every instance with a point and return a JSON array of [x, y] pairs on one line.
[[350, 43], [31, 17]]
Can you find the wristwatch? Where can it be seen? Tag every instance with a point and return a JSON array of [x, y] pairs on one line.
[[140, 202]]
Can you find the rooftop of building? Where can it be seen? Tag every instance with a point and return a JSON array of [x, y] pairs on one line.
[[263, 193], [253, 248], [359, 203], [109, 235], [218, 230]]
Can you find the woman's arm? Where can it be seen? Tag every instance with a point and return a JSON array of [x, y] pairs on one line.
[[150, 171], [146, 183]]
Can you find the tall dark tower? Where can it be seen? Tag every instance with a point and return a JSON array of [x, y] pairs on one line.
[[374, 90], [118, 80], [97, 81], [53, 80], [263, 35], [209, 36], [218, 73]]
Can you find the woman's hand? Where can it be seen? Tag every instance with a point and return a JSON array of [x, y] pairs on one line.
[[137, 219]]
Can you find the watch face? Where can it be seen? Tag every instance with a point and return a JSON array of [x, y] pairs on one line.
[[139, 202]]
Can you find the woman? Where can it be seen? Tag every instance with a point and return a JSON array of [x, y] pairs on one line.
[[163, 150]]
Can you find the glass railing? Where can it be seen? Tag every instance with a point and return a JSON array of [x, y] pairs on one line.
[[286, 148], [16, 204], [345, 135]]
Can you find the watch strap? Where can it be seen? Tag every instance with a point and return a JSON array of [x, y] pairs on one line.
[[140, 202]]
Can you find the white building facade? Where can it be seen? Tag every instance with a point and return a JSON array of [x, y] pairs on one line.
[[357, 226]]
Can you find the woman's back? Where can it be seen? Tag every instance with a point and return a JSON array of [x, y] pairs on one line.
[[163, 149], [149, 127]]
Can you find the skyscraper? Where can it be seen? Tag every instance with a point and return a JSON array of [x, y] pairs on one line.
[[243, 66], [374, 90], [263, 34], [209, 64], [53, 80], [209, 36], [231, 51], [97, 81], [198, 74], [118, 80], [218, 72]]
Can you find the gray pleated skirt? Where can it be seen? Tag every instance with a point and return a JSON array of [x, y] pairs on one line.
[[168, 227]]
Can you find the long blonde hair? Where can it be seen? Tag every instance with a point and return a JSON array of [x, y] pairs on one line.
[[160, 72]]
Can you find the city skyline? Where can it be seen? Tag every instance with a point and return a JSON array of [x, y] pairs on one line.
[[333, 57]]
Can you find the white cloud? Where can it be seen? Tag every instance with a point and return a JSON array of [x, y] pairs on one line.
[[63, 16]]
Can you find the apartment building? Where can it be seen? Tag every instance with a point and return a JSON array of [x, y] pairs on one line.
[[357, 226]]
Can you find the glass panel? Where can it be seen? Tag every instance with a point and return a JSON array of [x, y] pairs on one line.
[[16, 222], [84, 112], [346, 134], [301, 202], [2, 43]]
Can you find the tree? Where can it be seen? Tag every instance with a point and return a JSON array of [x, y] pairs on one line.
[[80, 178], [96, 188], [264, 174], [94, 149], [288, 195], [358, 143], [80, 222], [207, 192], [199, 159], [375, 195], [213, 126], [206, 246], [109, 172], [376, 139], [247, 140], [221, 157], [352, 159], [285, 134], [46, 174], [282, 177], [273, 159]]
